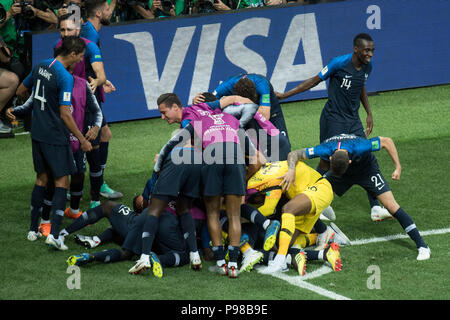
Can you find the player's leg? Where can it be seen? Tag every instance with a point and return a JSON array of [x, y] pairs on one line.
[[45, 225], [89, 217], [105, 256], [95, 174], [389, 202], [212, 204], [76, 191], [37, 200], [187, 224], [233, 209], [105, 137]]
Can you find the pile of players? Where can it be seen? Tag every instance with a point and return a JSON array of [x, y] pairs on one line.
[[234, 144]]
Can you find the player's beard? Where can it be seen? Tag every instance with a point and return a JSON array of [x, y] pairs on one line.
[[105, 21]]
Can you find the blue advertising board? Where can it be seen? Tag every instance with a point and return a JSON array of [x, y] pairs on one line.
[[193, 54]]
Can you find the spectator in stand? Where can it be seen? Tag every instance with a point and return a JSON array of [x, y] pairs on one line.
[[8, 83], [242, 4], [158, 8]]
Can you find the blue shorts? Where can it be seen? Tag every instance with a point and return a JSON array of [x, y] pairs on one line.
[[227, 175], [330, 127], [177, 179], [365, 173], [56, 159]]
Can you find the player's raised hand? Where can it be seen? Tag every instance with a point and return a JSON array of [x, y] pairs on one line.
[[199, 98], [288, 179]]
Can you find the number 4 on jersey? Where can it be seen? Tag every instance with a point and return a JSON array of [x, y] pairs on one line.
[[41, 98]]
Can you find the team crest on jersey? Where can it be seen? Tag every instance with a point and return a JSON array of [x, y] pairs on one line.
[[66, 97], [375, 145], [266, 98]]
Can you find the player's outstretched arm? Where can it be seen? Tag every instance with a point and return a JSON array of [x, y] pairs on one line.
[[304, 86], [389, 145]]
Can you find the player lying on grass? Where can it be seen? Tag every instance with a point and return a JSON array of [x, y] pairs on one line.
[[307, 199], [352, 162], [126, 230]]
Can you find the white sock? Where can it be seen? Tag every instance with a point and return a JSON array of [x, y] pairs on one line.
[[74, 211], [232, 264], [321, 254], [63, 233], [144, 257], [44, 221], [221, 262], [266, 224]]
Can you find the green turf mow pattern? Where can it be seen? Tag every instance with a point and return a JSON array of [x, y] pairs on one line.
[[417, 120]]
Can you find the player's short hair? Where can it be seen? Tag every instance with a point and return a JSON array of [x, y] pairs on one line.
[[69, 45], [360, 37], [91, 6], [209, 97], [246, 88], [135, 207], [169, 99], [339, 162]]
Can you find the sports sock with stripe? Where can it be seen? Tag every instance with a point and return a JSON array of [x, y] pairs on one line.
[[148, 233], [252, 214], [37, 199], [95, 173], [58, 206], [88, 217], [110, 255], [410, 228], [286, 231], [188, 230]]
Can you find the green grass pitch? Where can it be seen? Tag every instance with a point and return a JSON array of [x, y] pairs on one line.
[[417, 120]]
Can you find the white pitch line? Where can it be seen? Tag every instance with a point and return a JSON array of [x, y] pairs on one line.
[[300, 282], [398, 236], [297, 281]]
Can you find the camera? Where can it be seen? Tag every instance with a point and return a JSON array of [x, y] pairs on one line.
[[27, 13], [166, 5], [206, 6]]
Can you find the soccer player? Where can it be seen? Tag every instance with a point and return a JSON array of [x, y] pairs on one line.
[[51, 123], [308, 197], [99, 14], [90, 68], [352, 162], [88, 118], [348, 75], [223, 172], [125, 230], [269, 105], [176, 181]]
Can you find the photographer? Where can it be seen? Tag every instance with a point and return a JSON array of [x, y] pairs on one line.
[[34, 15], [158, 8], [8, 82]]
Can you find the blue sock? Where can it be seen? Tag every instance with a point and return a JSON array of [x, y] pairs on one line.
[[188, 230], [148, 233], [89, 217], [233, 253], [373, 201], [410, 228], [58, 207], [320, 226], [95, 173], [110, 255], [103, 154], [37, 199]]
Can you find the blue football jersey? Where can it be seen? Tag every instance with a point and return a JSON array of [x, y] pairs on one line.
[[345, 86], [356, 146], [88, 31], [53, 86], [263, 89]]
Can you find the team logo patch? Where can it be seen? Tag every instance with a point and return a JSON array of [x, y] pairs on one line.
[[375, 145], [266, 98], [310, 151], [66, 97], [324, 70], [97, 56]]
